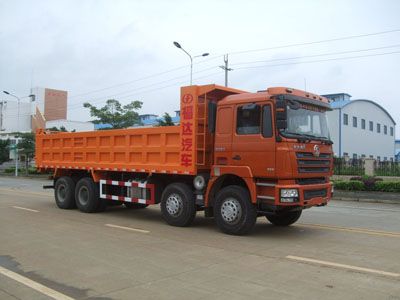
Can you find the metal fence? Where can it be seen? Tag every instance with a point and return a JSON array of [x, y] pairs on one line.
[[387, 168], [352, 166]]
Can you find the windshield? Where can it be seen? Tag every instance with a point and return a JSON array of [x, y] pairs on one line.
[[307, 122]]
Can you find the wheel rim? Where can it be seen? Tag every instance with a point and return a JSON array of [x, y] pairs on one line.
[[174, 205], [83, 195], [61, 192], [231, 211]]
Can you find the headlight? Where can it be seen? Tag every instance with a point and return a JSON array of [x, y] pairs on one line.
[[286, 193], [199, 182], [289, 195]]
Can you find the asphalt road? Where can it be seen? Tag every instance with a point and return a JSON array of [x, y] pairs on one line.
[[344, 251]]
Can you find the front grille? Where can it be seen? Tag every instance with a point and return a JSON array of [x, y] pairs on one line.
[[306, 181], [314, 193], [313, 170], [311, 155], [308, 163], [303, 162]]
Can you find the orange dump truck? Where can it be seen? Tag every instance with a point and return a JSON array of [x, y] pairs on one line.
[[235, 155]]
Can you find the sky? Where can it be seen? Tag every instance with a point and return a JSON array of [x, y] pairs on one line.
[[99, 50]]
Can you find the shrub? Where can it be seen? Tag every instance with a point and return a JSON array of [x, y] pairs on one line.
[[349, 185], [11, 170], [369, 181], [387, 186]]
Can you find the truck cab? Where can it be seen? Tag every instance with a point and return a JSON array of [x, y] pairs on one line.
[[277, 142]]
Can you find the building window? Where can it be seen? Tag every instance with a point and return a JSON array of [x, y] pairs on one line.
[[345, 119], [371, 156], [378, 128], [371, 126], [363, 123], [362, 155], [391, 131], [354, 121], [384, 129]]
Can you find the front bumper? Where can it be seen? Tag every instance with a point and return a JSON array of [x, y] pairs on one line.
[[308, 195]]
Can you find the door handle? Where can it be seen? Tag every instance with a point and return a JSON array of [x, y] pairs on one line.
[[237, 157]]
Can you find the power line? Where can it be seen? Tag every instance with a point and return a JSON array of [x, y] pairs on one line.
[[316, 42], [317, 61], [317, 55], [101, 99], [235, 53]]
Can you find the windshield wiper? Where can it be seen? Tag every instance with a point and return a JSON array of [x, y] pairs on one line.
[[319, 138], [309, 137], [302, 138]]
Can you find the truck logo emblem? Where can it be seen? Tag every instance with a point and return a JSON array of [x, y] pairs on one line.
[[316, 151]]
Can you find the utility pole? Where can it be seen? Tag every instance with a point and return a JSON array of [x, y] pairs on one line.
[[226, 68]]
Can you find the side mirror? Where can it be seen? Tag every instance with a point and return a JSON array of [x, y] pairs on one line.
[[281, 113], [212, 116]]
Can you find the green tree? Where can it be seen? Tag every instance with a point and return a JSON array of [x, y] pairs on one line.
[[115, 114], [26, 146], [54, 128], [166, 120], [4, 150]]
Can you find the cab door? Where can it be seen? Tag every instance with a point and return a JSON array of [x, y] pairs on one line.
[[253, 142]]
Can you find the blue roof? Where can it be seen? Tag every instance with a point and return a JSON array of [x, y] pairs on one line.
[[341, 104], [338, 104], [101, 126]]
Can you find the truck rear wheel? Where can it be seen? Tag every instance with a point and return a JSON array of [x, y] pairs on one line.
[[233, 211], [178, 206], [87, 196], [284, 219], [64, 192]]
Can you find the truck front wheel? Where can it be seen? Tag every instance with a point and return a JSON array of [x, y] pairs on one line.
[[284, 219], [233, 211], [87, 196], [178, 205], [64, 192]]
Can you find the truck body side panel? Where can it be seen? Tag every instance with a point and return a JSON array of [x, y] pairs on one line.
[[150, 150], [183, 149]]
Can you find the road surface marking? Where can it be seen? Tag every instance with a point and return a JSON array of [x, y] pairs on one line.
[[352, 229], [365, 208], [24, 208], [343, 266], [34, 285], [127, 228]]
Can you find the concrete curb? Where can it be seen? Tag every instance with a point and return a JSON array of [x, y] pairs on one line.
[[371, 197]]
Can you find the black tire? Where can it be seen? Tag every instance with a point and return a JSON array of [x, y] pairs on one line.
[[131, 205], [87, 196], [233, 211], [285, 219], [64, 192], [178, 206]]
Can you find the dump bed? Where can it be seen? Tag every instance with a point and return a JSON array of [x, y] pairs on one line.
[[182, 149]]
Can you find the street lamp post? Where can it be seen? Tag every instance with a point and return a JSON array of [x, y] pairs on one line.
[[16, 140], [191, 59]]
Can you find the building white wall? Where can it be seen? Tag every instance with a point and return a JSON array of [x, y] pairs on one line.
[[39, 98], [71, 125], [333, 124], [9, 116], [356, 140]]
